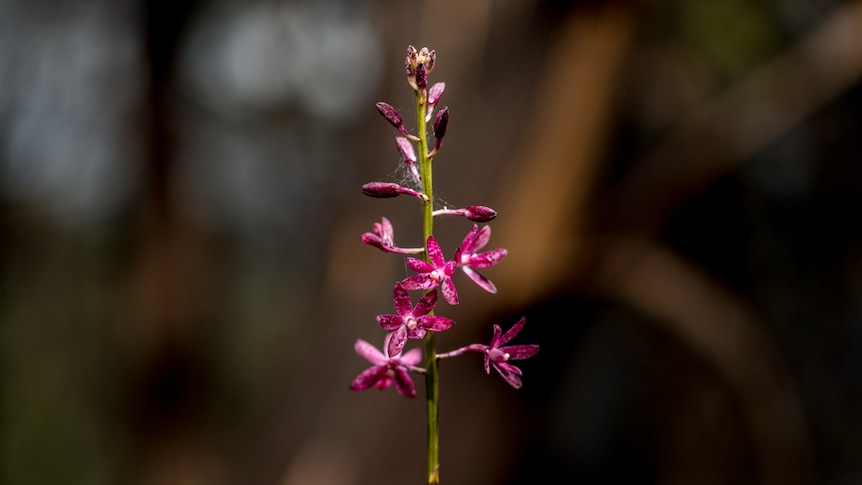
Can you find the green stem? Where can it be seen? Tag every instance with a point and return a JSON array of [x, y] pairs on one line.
[[432, 382]]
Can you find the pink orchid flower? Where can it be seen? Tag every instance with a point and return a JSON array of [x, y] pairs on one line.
[[386, 369]]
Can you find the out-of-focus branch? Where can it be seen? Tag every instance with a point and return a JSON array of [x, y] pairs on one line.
[[551, 177], [685, 303], [728, 130]]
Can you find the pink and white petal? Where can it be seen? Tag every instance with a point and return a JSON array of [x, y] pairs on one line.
[[467, 246], [481, 239], [404, 384], [509, 375], [390, 322], [419, 265], [397, 340], [510, 334], [480, 280], [369, 352], [435, 323], [419, 282], [488, 258], [402, 300], [425, 304], [450, 294], [435, 254], [367, 378], [412, 357], [386, 231], [495, 338], [520, 352]]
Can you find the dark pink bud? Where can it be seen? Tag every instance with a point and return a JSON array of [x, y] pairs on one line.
[[421, 76], [440, 123], [391, 114], [479, 213], [384, 190]]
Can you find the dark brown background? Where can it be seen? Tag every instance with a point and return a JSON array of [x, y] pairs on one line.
[[677, 181]]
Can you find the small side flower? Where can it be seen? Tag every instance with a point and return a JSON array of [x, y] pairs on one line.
[[499, 357], [383, 238], [437, 272], [386, 369], [469, 258], [411, 322]]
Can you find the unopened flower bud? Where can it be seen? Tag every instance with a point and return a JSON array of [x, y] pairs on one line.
[[414, 59], [421, 76], [479, 213], [434, 94], [408, 155], [383, 190], [394, 118], [440, 123], [410, 65]]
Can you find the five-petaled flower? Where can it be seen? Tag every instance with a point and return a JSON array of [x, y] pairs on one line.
[[469, 258], [411, 322], [499, 357], [386, 369], [437, 272]]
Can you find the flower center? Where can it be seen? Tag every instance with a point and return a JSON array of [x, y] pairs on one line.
[[411, 323], [497, 355]]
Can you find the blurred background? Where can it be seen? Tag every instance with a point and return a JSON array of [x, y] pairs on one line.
[[678, 184]]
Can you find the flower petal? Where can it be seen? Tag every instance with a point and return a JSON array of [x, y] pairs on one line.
[[368, 378], [419, 282], [480, 280], [467, 244], [510, 334], [397, 340], [520, 352], [495, 338], [450, 294], [425, 304], [390, 322], [402, 300], [412, 357], [510, 374], [486, 259], [435, 323], [403, 383], [369, 352], [435, 254], [419, 265]]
